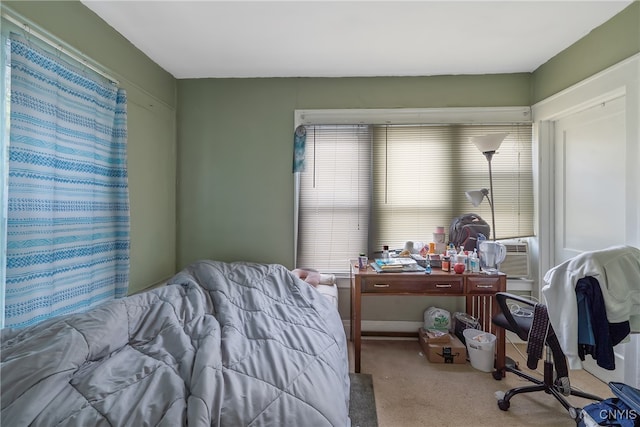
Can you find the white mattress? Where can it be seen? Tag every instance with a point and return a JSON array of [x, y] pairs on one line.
[[330, 292]]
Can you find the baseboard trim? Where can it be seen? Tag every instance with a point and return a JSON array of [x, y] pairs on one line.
[[401, 328], [392, 327], [158, 284], [513, 338]]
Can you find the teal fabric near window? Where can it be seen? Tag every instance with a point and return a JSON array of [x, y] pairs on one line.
[[68, 199]]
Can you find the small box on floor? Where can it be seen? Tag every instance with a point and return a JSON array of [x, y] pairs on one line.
[[434, 336], [443, 352]]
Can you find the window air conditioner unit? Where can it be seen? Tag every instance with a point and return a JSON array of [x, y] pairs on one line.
[[516, 263]]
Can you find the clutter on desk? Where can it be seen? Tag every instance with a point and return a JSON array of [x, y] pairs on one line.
[[363, 261], [396, 265], [385, 252], [491, 256], [462, 258], [466, 229], [445, 256], [452, 252], [435, 260], [422, 261], [474, 261], [446, 263], [392, 263], [409, 248]]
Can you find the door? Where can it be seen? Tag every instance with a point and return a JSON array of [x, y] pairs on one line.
[[589, 186]]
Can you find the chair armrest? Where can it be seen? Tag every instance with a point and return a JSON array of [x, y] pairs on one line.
[[503, 298]]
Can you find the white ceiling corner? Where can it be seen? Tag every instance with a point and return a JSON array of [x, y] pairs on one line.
[[200, 39]]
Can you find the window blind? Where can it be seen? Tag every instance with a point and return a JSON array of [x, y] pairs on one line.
[[421, 174], [334, 199], [372, 185]]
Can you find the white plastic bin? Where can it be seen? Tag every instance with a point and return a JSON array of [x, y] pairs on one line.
[[481, 347]]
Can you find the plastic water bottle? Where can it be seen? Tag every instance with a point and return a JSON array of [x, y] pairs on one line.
[[463, 259], [385, 252], [474, 261], [451, 253]]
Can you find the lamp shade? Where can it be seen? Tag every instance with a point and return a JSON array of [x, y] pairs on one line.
[[476, 196], [488, 143]]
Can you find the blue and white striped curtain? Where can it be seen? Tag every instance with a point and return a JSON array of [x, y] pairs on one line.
[[5, 98], [68, 199]]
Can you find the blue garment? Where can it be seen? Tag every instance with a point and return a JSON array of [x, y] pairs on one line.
[[606, 334], [585, 329]]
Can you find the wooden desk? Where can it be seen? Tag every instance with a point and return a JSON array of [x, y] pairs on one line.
[[478, 290]]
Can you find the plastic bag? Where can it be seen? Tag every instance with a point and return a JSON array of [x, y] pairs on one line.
[[437, 318]]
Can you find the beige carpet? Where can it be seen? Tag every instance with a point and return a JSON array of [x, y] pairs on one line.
[[411, 391]]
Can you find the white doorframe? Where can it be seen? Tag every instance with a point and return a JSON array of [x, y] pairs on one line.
[[622, 79]]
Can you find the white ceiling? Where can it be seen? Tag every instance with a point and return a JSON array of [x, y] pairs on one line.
[[239, 38]]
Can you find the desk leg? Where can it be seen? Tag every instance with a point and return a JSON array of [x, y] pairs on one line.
[[356, 321], [352, 301], [501, 348], [501, 341]]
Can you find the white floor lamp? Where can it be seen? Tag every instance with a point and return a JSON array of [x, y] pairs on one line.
[[488, 145]]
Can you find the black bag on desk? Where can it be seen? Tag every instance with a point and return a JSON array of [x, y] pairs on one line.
[[464, 231]]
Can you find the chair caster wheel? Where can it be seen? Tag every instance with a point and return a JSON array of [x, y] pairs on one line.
[[497, 375], [573, 413], [503, 404]]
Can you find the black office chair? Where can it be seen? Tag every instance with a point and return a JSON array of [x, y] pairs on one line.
[[521, 322]]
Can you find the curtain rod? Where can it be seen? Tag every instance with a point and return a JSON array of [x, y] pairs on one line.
[[79, 57]]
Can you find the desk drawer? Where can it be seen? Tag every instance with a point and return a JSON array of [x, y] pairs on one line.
[[416, 284], [483, 284]]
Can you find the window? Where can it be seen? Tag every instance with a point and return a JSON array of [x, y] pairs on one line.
[[384, 184], [334, 198]]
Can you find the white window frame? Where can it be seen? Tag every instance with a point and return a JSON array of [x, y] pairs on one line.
[[454, 115]]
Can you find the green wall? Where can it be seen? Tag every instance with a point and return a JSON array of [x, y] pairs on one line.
[[151, 153], [85, 31], [610, 43], [235, 193], [235, 145], [232, 138]]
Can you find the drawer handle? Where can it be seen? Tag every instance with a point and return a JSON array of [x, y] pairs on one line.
[[484, 286], [443, 285], [381, 285]]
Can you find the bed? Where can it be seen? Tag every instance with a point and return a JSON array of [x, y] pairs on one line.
[[224, 344]]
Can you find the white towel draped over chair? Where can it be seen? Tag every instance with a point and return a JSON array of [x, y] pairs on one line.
[[617, 270]]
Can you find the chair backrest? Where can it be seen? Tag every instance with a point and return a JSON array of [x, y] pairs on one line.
[[503, 299]]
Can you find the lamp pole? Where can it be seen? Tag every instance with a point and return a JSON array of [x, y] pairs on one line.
[[489, 156], [487, 145]]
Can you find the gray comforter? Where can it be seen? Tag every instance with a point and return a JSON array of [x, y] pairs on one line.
[[223, 344]]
